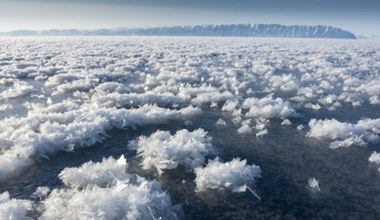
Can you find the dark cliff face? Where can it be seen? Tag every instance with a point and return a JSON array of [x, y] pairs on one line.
[[245, 30], [239, 30]]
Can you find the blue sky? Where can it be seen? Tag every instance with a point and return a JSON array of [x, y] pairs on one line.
[[358, 16]]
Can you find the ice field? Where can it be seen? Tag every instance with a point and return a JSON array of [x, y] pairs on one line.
[[189, 128]]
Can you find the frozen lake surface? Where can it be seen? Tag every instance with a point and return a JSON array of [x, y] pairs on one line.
[[181, 110]]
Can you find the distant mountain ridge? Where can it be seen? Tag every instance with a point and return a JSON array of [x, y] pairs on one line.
[[238, 30]]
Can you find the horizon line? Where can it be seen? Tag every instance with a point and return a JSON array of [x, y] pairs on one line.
[[168, 26]]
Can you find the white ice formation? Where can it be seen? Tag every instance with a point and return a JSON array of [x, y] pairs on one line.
[[161, 150], [375, 158], [95, 174], [70, 92], [344, 134], [13, 208], [313, 184], [105, 191], [234, 175]]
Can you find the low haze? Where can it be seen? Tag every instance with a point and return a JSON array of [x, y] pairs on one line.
[[360, 17]]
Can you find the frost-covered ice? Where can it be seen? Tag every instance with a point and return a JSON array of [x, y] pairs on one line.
[[66, 126], [245, 129], [18, 89], [262, 133], [234, 175], [370, 125], [105, 191], [268, 108], [13, 208], [87, 86], [163, 151], [230, 105], [344, 134], [313, 184], [63, 94], [300, 127], [375, 158], [221, 122], [41, 192], [286, 122], [139, 200], [100, 190], [95, 174]]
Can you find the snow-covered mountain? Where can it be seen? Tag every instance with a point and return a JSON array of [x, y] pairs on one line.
[[241, 30]]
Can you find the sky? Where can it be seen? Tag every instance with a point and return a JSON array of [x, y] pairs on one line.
[[361, 17]]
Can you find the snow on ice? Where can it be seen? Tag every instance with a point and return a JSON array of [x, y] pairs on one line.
[[163, 151], [105, 191], [343, 134], [100, 190], [72, 91], [67, 126], [375, 158], [234, 175], [95, 174], [13, 208]]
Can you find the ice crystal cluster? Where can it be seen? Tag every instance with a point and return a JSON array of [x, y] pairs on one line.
[[70, 93]]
